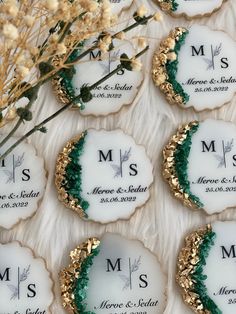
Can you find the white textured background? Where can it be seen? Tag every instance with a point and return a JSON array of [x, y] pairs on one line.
[[163, 222]]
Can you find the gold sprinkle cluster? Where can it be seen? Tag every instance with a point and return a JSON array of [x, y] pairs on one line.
[[57, 86], [59, 90], [159, 72], [63, 160], [169, 172], [187, 262], [71, 273], [165, 5]]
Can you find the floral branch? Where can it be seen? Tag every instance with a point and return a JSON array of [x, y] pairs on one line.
[[226, 149], [140, 21], [132, 269], [123, 158], [57, 34], [85, 95], [214, 53], [15, 164], [21, 277]]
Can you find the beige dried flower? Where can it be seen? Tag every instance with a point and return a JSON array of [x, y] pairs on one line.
[[54, 38], [107, 39], [20, 59], [142, 11], [13, 10], [51, 5], [136, 65], [103, 46], [22, 70], [10, 31], [142, 42], [11, 114], [34, 51], [29, 20], [89, 5], [61, 49], [158, 17], [120, 35], [3, 101]]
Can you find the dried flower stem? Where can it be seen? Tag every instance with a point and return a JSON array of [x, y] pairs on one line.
[[50, 75], [125, 30], [20, 121], [65, 107]]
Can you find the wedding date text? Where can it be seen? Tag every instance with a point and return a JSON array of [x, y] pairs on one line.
[[221, 189], [118, 199]]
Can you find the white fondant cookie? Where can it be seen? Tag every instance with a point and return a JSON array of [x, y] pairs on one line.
[[119, 5], [199, 164], [119, 90], [22, 182], [103, 175], [113, 275], [25, 283], [190, 8], [206, 269], [210, 81]]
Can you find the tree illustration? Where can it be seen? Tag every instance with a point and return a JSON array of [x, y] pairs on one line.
[[132, 269], [15, 290], [214, 53], [123, 158]]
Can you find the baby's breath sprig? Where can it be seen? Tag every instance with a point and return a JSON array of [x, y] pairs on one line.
[[32, 32], [31, 36]]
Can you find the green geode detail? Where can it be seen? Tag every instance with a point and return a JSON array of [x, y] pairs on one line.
[[173, 3], [172, 68], [181, 156], [81, 284], [67, 76], [73, 172], [199, 277]]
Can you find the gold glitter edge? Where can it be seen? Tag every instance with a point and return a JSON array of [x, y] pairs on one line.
[[159, 72], [57, 87], [169, 172], [63, 160], [68, 274], [165, 5], [187, 262]]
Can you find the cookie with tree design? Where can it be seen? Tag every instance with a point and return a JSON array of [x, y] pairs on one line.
[[113, 275], [22, 181], [206, 269], [25, 283], [199, 165], [103, 175], [195, 67], [109, 97]]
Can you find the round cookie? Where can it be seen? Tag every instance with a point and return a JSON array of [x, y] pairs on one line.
[[109, 97], [25, 283], [206, 269], [210, 81], [113, 275], [22, 181], [190, 8], [103, 175], [199, 165]]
